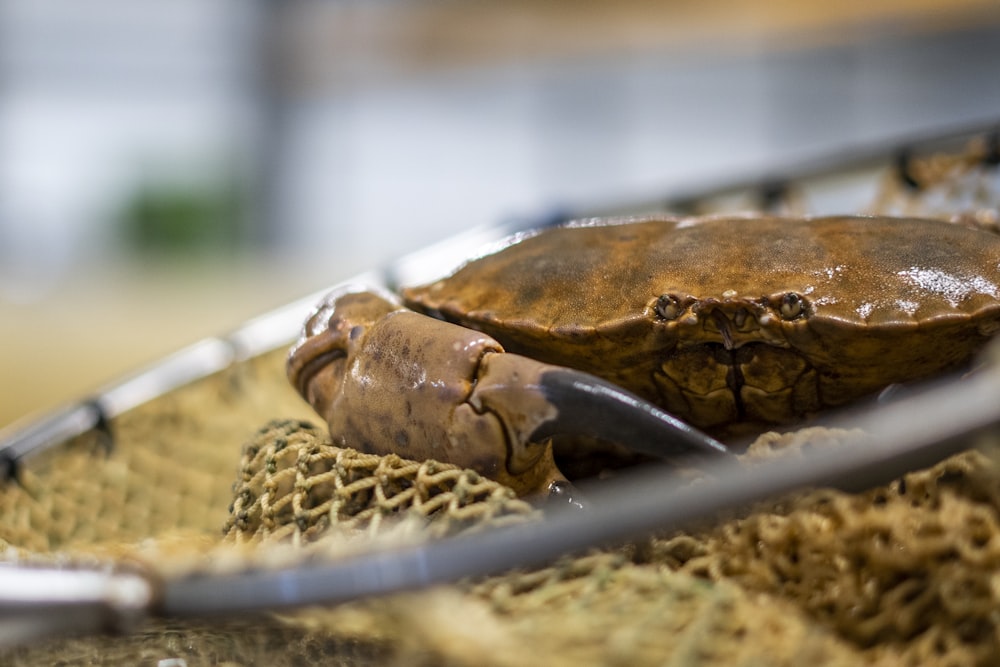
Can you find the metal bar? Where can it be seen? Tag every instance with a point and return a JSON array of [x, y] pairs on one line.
[[269, 330], [203, 358], [907, 435], [853, 158], [19, 442], [40, 602]]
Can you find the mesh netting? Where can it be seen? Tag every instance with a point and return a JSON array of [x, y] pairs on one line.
[[961, 187], [294, 484], [169, 470], [903, 574], [906, 570]]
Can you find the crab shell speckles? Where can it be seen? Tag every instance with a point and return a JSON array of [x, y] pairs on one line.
[[730, 321]]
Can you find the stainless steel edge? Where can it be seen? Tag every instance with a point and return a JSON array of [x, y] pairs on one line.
[[261, 334], [280, 326], [906, 435], [931, 426], [19, 441], [39, 602]]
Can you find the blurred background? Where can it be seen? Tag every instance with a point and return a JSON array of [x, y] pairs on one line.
[[169, 169]]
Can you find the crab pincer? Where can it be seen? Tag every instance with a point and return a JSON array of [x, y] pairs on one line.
[[389, 380]]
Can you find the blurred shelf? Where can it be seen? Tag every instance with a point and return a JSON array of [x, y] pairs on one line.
[[333, 41]]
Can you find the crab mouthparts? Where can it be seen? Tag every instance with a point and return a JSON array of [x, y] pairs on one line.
[[731, 360], [734, 339], [725, 328], [737, 328]]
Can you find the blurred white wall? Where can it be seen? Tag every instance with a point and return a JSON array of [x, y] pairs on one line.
[[97, 96], [373, 157]]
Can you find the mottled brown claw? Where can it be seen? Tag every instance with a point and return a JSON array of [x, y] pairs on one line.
[[391, 381]]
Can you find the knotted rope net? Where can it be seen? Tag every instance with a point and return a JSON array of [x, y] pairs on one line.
[[293, 484], [206, 477]]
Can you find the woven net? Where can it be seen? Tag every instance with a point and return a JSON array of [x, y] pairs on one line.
[[294, 484], [903, 574], [963, 186]]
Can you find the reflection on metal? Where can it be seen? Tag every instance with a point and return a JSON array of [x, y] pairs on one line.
[[40, 602], [906, 434]]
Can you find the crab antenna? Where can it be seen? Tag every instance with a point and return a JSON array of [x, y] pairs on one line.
[[588, 405]]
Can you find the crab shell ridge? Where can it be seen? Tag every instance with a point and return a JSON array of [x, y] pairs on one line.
[[731, 320]]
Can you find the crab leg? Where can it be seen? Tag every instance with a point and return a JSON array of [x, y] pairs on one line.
[[388, 380]]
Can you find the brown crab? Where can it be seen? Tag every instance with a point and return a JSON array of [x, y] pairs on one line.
[[729, 324]]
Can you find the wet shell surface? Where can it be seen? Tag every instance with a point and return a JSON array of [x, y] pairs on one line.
[[730, 321]]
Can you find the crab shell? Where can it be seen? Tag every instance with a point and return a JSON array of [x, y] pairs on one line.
[[732, 323]]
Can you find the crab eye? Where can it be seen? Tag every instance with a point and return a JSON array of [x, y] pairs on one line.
[[667, 307], [792, 306]]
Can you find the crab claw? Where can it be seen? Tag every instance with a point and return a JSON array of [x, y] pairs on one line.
[[391, 381], [588, 406]]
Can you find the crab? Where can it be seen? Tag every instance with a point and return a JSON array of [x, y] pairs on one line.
[[623, 339]]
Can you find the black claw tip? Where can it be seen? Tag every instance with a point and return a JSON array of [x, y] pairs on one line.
[[590, 406]]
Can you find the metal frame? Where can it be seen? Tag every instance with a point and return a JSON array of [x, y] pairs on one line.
[[904, 435]]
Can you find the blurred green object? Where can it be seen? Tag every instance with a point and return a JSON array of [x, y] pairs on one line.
[[168, 218]]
